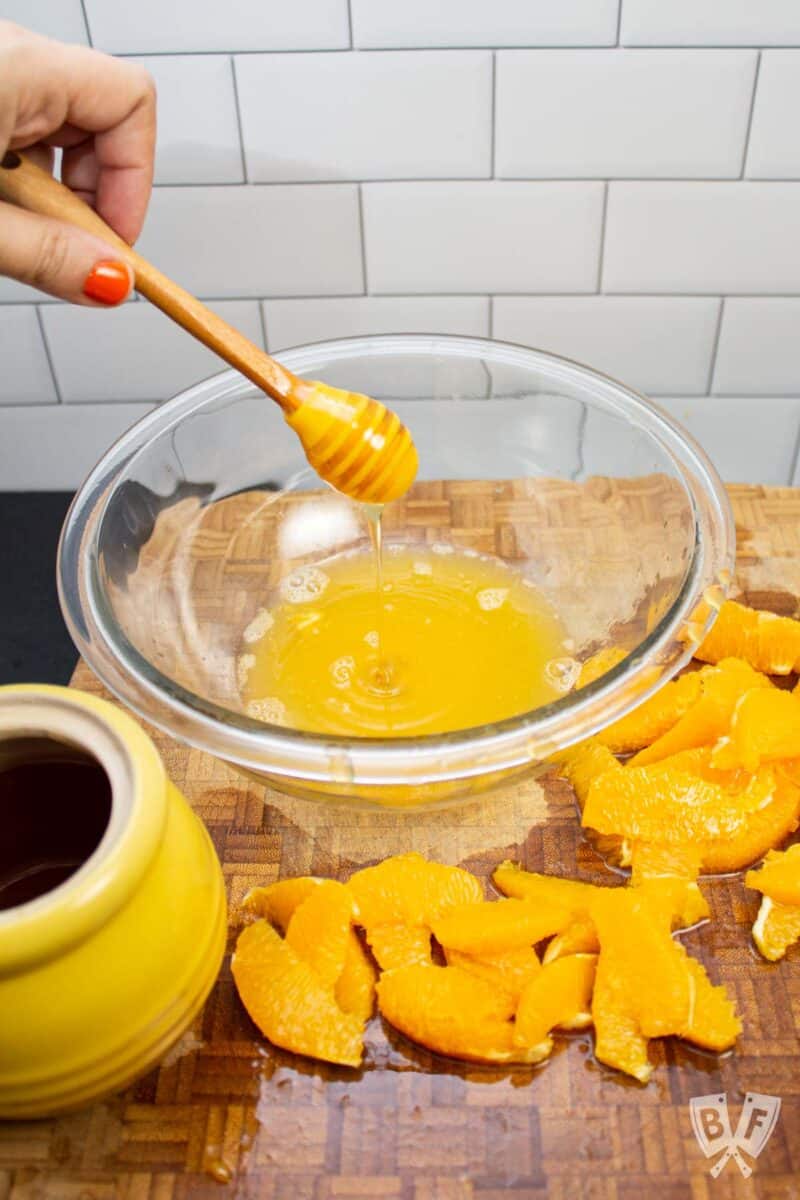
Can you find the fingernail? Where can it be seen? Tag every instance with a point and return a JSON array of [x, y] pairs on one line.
[[109, 282]]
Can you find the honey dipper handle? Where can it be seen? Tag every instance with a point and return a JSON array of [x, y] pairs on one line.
[[28, 186]]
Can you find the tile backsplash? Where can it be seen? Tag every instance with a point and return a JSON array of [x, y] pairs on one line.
[[617, 181]]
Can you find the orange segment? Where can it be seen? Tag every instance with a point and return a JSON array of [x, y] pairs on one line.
[[453, 1013], [762, 830], [671, 872], [776, 928], [286, 1000], [495, 926], [647, 986], [510, 971], [397, 945], [580, 937], [722, 687], [409, 889], [655, 717], [765, 726], [355, 987], [572, 894], [712, 1021], [779, 877], [319, 930], [584, 763], [560, 995], [681, 799], [769, 643], [277, 901]]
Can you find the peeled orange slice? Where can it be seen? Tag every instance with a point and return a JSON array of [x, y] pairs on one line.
[[355, 987], [571, 894], [286, 1000], [560, 995], [496, 926], [779, 877], [396, 945], [277, 901], [679, 800], [709, 718], [653, 718], [509, 971], [580, 937], [409, 889], [765, 726], [319, 930], [764, 828], [769, 643], [454, 1013], [671, 871], [712, 1021], [776, 928], [584, 763]]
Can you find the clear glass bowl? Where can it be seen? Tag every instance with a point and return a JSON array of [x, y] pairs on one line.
[[576, 481]]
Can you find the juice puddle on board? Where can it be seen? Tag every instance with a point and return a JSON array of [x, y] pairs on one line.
[[449, 641]]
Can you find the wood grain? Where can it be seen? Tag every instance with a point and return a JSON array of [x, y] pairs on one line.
[[410, 1126]]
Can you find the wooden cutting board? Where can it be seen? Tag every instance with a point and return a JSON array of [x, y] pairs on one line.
[[225, 1106]]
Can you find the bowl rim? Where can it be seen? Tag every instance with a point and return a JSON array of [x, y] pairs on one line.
[[300, 756]]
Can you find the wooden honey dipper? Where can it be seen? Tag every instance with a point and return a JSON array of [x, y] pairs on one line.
[[353, 442]]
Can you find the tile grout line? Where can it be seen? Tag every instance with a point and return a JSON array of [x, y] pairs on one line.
[[86, 22], [449, 294], [491, 316], [238, 110], [528, 46], [795, 464], [534, 180], [48, 355], [749, 126], [262, 316], [363, 240], [493, 120], [619, 19], [350, 25], [602, 254], [715, 347]]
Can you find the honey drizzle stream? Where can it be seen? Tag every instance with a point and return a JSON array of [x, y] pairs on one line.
[[382, 676]]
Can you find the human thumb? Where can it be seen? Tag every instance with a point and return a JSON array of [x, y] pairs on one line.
[[61, 260]]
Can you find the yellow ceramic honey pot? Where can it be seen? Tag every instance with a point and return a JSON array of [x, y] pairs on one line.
[[101, 973]]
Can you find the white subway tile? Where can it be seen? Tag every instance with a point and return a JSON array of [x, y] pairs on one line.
[[53, 447], [153, 26], [482, 237], [702, 237], [583, 113], [387, 115], [774, 150], [652, 343], [198, 133], [759, 348], [296, 322], [476, 23], [135, 353], [61, 19], [25, 378], [710, 22], [256, 241], [749, 440]]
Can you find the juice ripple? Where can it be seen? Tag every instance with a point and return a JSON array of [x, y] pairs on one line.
[[453, 640]]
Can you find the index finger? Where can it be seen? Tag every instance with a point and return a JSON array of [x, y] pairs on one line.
[[56, 85]]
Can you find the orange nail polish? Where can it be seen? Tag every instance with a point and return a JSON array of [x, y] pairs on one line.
[[108, 282]]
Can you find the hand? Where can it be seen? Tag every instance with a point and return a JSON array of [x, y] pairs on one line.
[[101, 110]]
